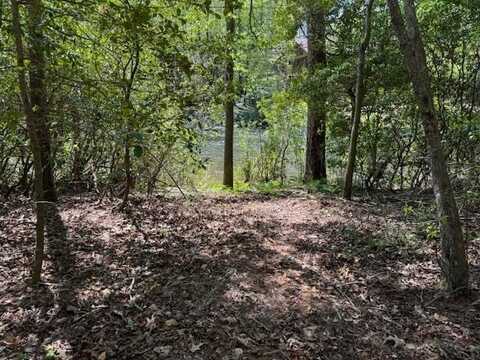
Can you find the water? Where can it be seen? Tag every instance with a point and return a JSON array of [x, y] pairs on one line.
[[212, 151], [245, 141], [250, 140]]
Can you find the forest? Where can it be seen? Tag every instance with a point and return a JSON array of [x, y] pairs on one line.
[[232, 179]]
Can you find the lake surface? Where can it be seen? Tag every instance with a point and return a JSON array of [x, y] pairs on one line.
[[212, 151], [245, 140]]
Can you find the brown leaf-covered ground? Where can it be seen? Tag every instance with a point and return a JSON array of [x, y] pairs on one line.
[[293, 276]]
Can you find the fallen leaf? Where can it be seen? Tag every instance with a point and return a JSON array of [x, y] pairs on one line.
[[163, 350], [394, 341], [237, 353], [195, 347], [171, 322]]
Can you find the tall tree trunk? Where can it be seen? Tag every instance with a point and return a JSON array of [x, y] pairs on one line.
[[38, 96], [454, 262], [315, 159], [359, 95], [134, 63], [229, 95], [35, 116]]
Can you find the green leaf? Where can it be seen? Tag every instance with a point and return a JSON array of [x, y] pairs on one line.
[[138, 151]]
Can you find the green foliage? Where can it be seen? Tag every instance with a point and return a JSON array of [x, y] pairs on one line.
[[281, 146], [270, 187], [408, 210], [322, 187], [149, 74], [432, 232], [51, 353]]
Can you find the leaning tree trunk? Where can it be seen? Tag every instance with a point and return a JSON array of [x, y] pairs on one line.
[[453, 262], [35, 114], [229, 95], [359, 95], [315, 159]]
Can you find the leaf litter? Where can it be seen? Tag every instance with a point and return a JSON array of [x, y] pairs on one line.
[[230, 277]]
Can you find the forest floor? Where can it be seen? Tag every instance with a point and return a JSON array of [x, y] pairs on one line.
[[286, 276]]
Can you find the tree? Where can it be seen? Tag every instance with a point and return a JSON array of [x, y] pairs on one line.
[[315, 158], [229, 93], [359, 95], [34, 95], [35, 110], [128, 78], [453, 261]]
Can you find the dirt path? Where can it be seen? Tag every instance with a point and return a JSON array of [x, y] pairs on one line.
[[248, 277]]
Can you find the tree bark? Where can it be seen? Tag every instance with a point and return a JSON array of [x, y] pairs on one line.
[[359, 96], [229, 95], [78, 155], [35, 114], [38, 97], [453, 262], [315, 159], [128, 80]]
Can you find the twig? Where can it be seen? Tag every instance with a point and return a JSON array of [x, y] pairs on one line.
[[341, 292], [88, 313], [176, 184]]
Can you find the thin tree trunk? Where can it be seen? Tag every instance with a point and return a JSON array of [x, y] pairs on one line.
[[128, 167], [315, 159], [229, 95], [34, 124], [359, 95], [38, 96], [134, 63], [453, 262], [77, 158], [127, 163]]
